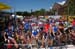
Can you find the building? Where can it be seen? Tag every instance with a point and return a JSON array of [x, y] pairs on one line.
[[60, 9]]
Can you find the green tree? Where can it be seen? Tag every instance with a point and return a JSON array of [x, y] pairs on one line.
[[39, 12], [42, 11], [25, 13], [19, 13], [70, 7]]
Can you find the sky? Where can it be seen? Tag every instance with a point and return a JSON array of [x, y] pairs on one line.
[[27, 5]]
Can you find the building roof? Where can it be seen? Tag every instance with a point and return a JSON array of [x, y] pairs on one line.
[[56, 6]]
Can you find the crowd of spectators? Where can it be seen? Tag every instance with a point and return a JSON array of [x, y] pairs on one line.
[[37, 32]]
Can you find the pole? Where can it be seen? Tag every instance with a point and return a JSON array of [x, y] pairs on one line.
[[68, 14], [14, 20], [67, 26]]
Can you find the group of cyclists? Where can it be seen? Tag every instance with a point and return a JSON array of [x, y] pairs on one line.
[[28, 32]]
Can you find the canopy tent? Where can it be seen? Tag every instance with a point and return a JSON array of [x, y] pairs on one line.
[[4, 6]]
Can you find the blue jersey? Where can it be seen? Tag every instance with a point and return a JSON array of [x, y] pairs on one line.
[[55, 29], [10, 33], [34, 32], [26, 25]]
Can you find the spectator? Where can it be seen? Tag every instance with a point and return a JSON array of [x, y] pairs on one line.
[[73, 23]]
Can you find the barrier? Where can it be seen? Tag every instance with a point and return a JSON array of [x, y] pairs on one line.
[[52, 47]]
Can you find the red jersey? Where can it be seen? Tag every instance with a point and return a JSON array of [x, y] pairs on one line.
[[46, 28], [73, 23]]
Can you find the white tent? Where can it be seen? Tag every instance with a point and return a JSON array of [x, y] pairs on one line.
[[55, 17], [17, 16]]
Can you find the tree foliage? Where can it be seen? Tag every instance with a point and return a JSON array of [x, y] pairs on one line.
[[71, 7], [41, 12]]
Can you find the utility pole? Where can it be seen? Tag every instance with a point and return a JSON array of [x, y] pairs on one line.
[[15, 20], [31, 11]]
